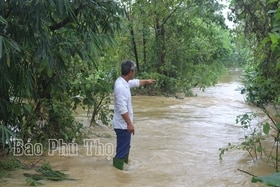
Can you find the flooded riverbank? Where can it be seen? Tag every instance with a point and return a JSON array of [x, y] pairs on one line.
[[176, 144]]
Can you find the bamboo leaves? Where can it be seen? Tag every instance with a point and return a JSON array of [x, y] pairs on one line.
[[45, 173], [6, 134], [40, 43]]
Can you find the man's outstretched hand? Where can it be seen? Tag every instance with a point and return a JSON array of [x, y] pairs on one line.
[[151, 81], [147, 81]]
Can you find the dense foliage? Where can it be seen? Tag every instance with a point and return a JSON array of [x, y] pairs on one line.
[[43, 47], [257, 40], [56, 56], [259, 22], [184, 45]]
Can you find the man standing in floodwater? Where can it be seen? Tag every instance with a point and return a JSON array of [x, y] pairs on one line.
[[123, 112]]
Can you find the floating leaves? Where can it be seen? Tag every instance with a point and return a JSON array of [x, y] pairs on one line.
[[45, 173]]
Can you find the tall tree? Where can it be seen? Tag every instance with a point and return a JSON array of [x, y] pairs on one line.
[[167, 33], [258, 21], [38, 42]]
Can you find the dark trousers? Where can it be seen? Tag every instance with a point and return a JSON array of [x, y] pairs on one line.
[[123, 143]]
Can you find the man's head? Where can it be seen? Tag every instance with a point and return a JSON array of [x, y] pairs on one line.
[[128, 68]]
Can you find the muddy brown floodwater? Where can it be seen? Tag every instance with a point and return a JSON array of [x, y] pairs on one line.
[[176, 144]]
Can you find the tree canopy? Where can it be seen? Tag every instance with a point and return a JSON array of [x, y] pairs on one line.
[[258, 22], [41, 41], [57, 55]]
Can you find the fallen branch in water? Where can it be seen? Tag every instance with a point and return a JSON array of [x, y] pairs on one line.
[[246, 172]]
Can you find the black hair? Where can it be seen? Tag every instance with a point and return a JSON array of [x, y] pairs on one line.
[[127, 66]]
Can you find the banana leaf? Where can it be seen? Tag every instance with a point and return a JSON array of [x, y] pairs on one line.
[[270, 180]]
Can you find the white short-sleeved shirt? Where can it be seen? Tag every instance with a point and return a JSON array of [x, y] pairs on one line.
[[122, 101]]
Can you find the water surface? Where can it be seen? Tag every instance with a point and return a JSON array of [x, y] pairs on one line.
[[176, 144]]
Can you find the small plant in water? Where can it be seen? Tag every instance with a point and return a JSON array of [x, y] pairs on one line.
[[9, 165], [253, 136]]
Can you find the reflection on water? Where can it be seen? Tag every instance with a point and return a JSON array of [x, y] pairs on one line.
[[176, 144]]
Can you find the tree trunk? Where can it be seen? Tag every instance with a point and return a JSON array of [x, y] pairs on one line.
[[134, 46], [160, 43], [133, 42], [144, 46]]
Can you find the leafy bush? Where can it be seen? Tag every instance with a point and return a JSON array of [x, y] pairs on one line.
[[94, 89], [253, 136], [8, 165]]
